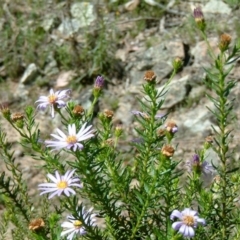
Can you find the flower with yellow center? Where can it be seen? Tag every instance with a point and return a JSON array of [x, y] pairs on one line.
[[188, 221], [72, 140], [54, 100], [60, 184], [75, 226]]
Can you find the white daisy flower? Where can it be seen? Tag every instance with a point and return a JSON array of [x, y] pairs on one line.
[[53, 100], [60, 184], [70, 141], [188, 221], [75, 226]]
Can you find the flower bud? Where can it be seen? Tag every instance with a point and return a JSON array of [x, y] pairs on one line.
[[118, 131], [18, 119], [208, 142], [99, 82], [4, 108], [199, 18], [98, 86], [177, 63]]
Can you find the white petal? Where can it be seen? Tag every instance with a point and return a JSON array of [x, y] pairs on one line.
[[53, 178], [61, 133]]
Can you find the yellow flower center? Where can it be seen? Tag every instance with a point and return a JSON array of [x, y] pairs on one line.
[[188, 220], [71, 139], [62, 185], [77, 224], [52, 98]]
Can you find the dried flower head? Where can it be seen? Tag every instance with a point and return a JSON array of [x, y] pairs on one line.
[[108, 113], [167, 151], [209, 139], [199, 18], [17, 116], [4, 108], [36, 224], [78, 110], [161, 132], [171, 127], [149, 76], [109, 142], [189, 220], [225, 40]]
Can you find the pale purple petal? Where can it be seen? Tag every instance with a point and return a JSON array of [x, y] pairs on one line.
[[176, 214], [201, 220], [177, 225]]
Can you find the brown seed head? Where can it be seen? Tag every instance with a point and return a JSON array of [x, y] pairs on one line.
[[225, 40], [78, 110], [36, 224], [167, 151], [209, 139], [109, 142], [171, 126], [149, 76], [108, 113], [17, 116], [161, 132]]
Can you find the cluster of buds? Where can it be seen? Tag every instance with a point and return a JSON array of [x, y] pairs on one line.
[[199, 18]]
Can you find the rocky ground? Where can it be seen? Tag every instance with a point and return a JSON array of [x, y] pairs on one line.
[[154, 47]]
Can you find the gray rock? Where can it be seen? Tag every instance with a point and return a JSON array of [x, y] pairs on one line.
[[83, 14], [216, 6], [176, 92], [29, 74], [69, 26]]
